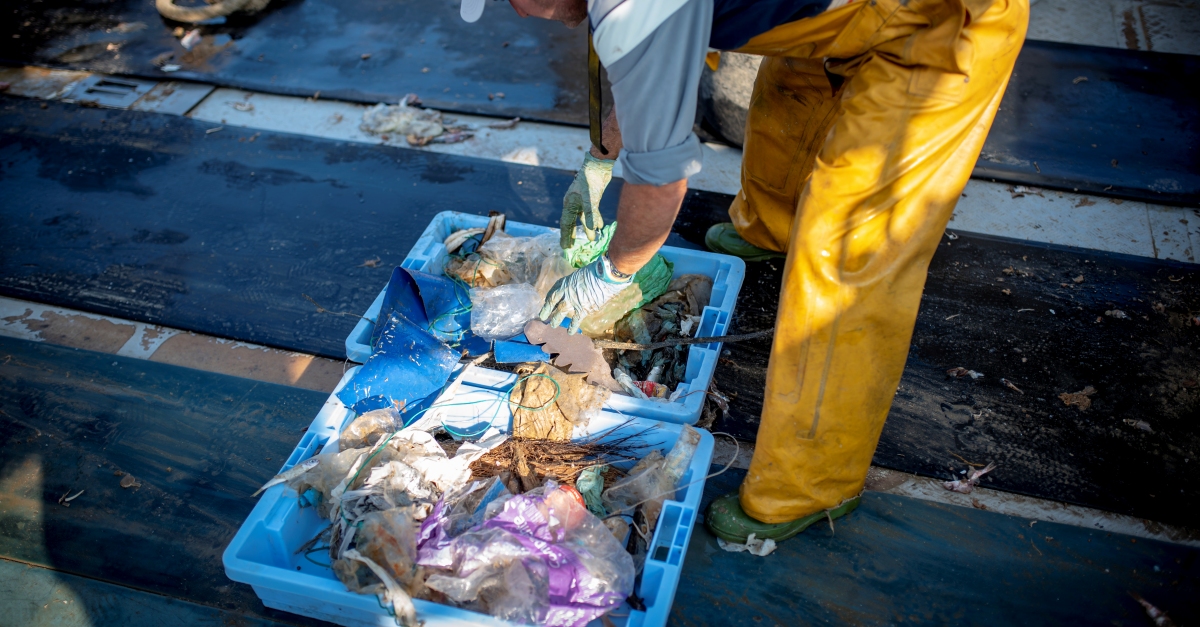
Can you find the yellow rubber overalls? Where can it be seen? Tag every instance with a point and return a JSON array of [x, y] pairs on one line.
[[855, 179]]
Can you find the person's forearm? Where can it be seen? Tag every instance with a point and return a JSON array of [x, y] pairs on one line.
[[645, 215], [610, 136]]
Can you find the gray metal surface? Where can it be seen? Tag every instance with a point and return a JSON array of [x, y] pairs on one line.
[[175, 97], [110, 92]]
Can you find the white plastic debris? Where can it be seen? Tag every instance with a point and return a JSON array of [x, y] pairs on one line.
[[402, 120], [190, 40], [964, 486], [501, 312], [753, 546]]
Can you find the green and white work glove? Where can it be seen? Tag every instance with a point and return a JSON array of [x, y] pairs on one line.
[[583, 292], [583, 199]]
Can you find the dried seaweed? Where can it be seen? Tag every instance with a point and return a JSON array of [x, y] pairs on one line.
[[562, 461]]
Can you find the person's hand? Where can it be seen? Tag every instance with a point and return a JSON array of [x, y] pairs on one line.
[[583, 199], [582, 293]]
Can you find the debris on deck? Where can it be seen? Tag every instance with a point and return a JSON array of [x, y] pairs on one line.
[[502, 527]]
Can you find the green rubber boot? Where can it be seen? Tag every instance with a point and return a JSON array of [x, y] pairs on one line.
[[723, 238], [727, 521]]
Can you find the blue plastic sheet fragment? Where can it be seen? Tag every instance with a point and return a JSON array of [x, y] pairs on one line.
[[407, 370], [401, 295], [514, 352], [435, 303], [447, 305]]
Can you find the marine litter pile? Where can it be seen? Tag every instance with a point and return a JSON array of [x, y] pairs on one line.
[[510, 276], [540, 531], [538, 520]]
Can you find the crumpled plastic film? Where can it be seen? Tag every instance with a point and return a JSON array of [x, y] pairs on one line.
[[506, 260], [548, 403], [331, 470], [458, 511], [367, 429], [408, 368], [499, 313], [357, 577], [521, 257], [402, 119], [541, 559], [646, 486], [653, 480], [389, 538], [590, 484]]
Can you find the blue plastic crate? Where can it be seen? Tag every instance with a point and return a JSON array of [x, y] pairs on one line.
[[262, 553], [727, 273]]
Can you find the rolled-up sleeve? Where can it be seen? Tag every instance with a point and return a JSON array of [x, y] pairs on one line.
[[655, 90]]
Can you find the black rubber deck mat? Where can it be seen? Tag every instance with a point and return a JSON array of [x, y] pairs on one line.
[[24, 592], [199, 444], [1100, 120], [147, 217], [898, 561], [360, 50], [1051, 321]]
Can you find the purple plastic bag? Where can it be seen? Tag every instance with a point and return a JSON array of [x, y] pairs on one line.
[[587, 572]]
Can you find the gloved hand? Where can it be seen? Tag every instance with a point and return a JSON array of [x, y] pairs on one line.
[[582, 293], [583, 199]]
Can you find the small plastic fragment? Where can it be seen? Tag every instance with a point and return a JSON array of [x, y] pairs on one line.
[[517, 352], [964, 486], [190, 40], [590, 484], [680, 457], [753, 546]]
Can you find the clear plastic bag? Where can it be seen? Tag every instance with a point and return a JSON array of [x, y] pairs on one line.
[[508, 260], [523, 258], [367, 429], [543, 558], [389, 538], [500, 313], [330, 472], [680, 457], [646, 487]]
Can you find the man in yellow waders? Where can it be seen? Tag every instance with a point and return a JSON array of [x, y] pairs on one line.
[[866, 120]]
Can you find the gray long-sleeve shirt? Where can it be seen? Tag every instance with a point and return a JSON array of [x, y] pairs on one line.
[[654, 52]]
